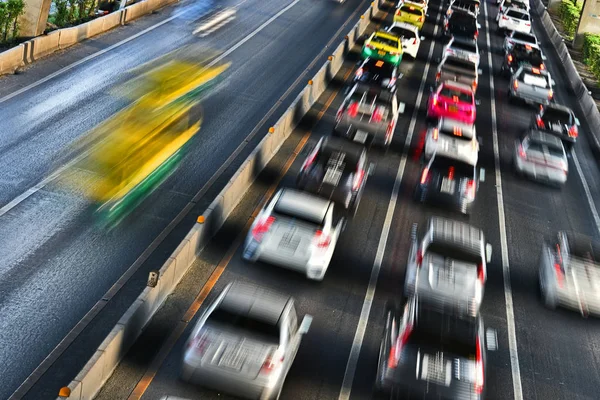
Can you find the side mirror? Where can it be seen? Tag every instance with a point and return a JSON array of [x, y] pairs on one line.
[[491, 339], [488, 252], [305, 325], [480, 71], [401, 108], [478, 26], [430, 89], [544, 57], [577, 122], [422, 37], [482, 177], [477, 102], [386, 28], [552, 82]]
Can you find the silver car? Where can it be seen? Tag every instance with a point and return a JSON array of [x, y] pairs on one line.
[[454, 139], [462, 47], [448, 265], [570, 273], [542, 157], [296, 230], [245, 342], [521, 38], [531, 85]]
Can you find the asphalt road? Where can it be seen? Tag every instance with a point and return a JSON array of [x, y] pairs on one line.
[[56, 264], [556, 356]]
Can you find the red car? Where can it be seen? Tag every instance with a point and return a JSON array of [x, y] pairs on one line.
[[452, 100]]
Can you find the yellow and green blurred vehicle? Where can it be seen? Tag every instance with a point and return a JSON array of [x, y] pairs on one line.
[[126, 158]]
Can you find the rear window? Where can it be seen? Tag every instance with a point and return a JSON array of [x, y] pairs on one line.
[[450, 330], [453, 252], [460, 168], [457, 132], [386, 41], [524, 37], [411, 10], [470, 47], [553, 150], [309, 217], [554, 114], [534, 80], [458, 63], [452, 93], [236, 322], [398, 31], [518, 15], [464, 19]]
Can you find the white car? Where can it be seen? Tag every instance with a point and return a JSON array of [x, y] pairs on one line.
[[542, 157], [520, 4], [462, 47], [520, 37], [452, 138], [409, 34], [423, 4], [514, 19], [295, 230]]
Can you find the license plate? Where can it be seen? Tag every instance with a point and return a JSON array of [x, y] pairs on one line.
[[436, 369], [361, 137], [557, 128], [450, 147], [448, 186], [289, 241], [233, 359], [381, 53], [453, 109]]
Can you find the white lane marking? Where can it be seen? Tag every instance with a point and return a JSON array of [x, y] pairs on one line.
[[586, 189], [361, 329], [510, 315], [23, 196], [216, 28], [97, 54], [217, 21]]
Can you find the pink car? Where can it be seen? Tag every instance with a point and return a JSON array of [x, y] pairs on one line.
[[452, 100]]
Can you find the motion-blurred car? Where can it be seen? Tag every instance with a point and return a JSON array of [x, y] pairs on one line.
[[514, 19], [409, 35], [336, 169], [506, 4], [457, 69], [367, 115], [542, 157], [448, 181], [383, 46], [560, 121], [411, 15], [462, 47], [452, 100], [531, 85], [569, 273], [448, 265], [295, 230], [245, 342], [522, 54], [521, 38], [454, 139], [459, 23], [422, 4], [428, 352], [377, 73], [468, 6]]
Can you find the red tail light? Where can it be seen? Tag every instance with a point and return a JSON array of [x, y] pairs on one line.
[[377, 114], [550, 94], [310, 159], [470, 189], [321, 239], [451, 173], [479, 375], [436, 133], [504, 17], [390, 129], [480, 273], [370, 46], [353, 110], [259, 230], [397, 347], [424, 176], [359, 72], [414, 41], [438, 75], [542, 66], [420, 19], [510, 58], [540, 122], [573, 131], [560, 277], [271, 363], [527, 24], [516, 84], [358, 178], [476, 34], [522, 153], [419, 258]]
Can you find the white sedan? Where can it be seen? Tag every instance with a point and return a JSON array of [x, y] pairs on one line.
[[409, 35], [453, 139], [295, 230], [514, 19]]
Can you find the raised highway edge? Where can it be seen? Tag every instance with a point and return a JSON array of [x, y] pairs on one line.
[[102, 364]]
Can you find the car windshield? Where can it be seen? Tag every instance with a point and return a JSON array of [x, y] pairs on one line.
[[465, 46], [461, 169], [554, 114], [524, 37], [386, 41], [456, 94], [527, 52], [236, 322], [403, 32], [532, 79], [411, 10], [517, 15]]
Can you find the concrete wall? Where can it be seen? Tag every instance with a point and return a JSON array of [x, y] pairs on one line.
[[33, 21], [589, 22]]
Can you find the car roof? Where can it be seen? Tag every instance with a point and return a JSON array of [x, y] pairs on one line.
[[257, 302], [448, 124], [352, 150], [544, 138], [457, 85], [302, 204], [456, 234]]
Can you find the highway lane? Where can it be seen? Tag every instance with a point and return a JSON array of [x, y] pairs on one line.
[[56, 264]]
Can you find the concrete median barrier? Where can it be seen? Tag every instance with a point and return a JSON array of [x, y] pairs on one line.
[[12, 59], [43, 45], [104, 361], [70, 36], [136, 10]]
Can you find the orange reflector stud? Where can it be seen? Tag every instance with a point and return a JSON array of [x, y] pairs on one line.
[[64, 392], [310, 82], [200, 219], [330, 58], [362, 17], [271, 130]]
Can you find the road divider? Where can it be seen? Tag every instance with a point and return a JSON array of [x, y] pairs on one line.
[[101, 365], [585, 101], [13, 59]]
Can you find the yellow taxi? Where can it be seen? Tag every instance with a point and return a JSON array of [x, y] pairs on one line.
[[383, 46], [412, 14]]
